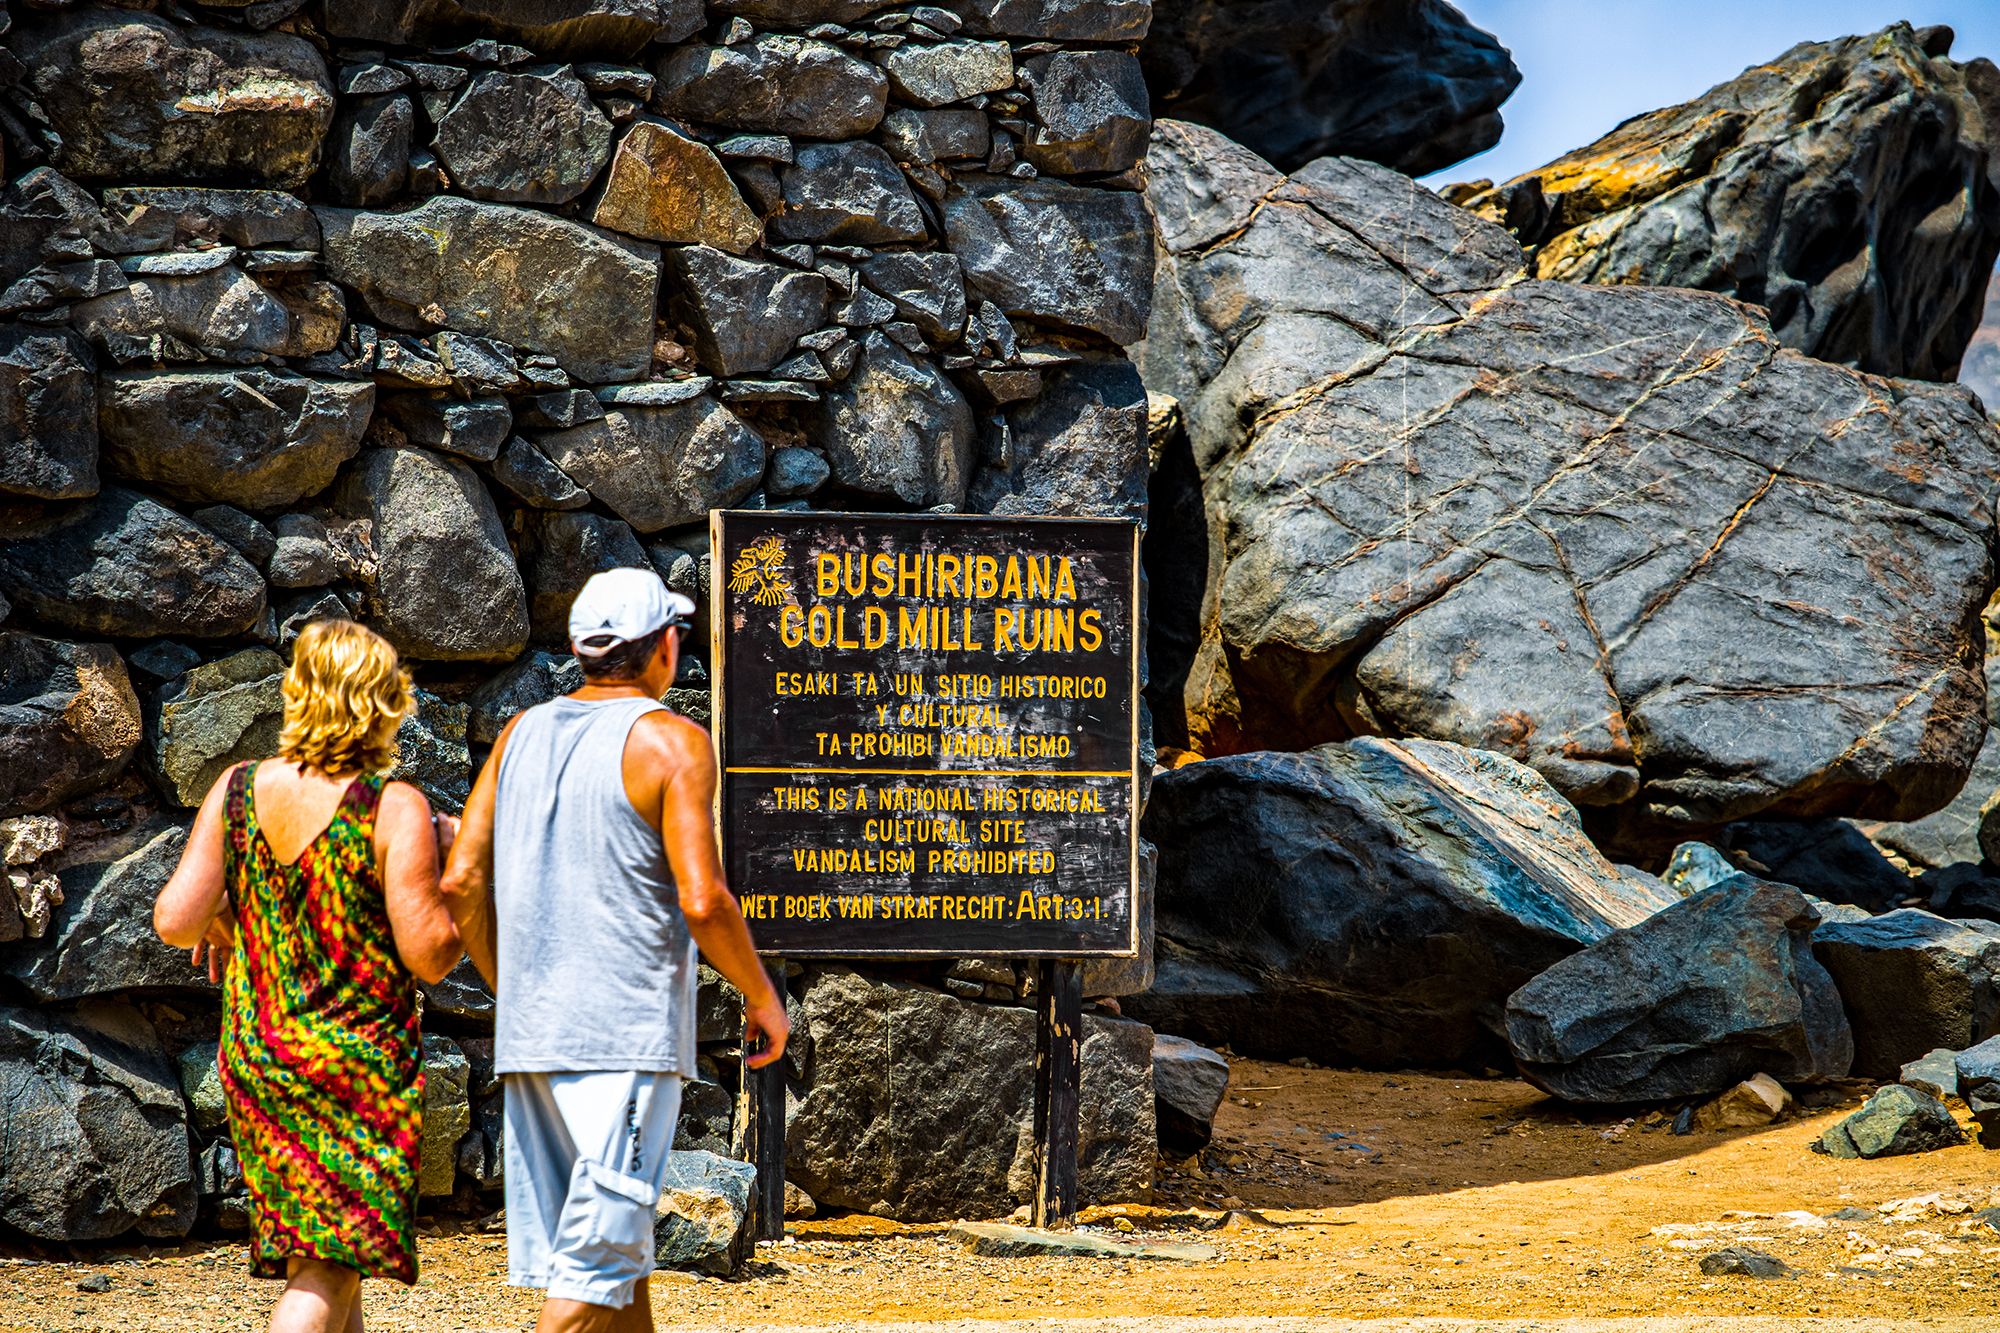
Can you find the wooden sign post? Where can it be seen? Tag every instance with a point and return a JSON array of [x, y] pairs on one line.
[[928, 727]]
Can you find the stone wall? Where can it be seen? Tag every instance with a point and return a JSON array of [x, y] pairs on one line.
[[422, 311]]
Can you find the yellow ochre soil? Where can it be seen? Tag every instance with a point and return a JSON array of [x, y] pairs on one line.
[[1440, 1196]]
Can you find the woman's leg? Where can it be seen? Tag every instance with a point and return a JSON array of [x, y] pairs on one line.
[[320, 1297]]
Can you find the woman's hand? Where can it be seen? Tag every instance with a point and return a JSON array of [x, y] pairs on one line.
[[217, 944]]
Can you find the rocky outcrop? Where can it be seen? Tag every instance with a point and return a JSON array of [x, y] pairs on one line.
[[1851, 187], [881, 1123], [1371, 902], [1712, 990], [1412, 86], [1912, 983], [1619, 533]]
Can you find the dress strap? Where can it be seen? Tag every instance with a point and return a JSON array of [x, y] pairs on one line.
[[363, 799]]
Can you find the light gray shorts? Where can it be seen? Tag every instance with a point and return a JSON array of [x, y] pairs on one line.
[[585, 1154]]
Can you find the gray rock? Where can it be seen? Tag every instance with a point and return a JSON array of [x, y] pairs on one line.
[[660, 467], [163, 659], [69, 721], [303, 556], [896, 428], [1056, 20], [847, 193], [536, 678], [462, 994], [445, 588], [795, 472], [252, 540], [447, 1115], [773, 84], [1413, 86], [253, 437], [533, 480], [1862, 217], [665, 185], [1693, 1000], [214, 717], [1695, 866], [559, 552], [745, 314], [1832, 858], [1077, 449], [530, 136], [882, 1124], [1063, 253], [100, 938], [611, 29], [368, 153], [201, 1084], [123, 565], [211, 308], [431, 753], [1373, 902], [1978, 1083], [1743, 1261], [1935, 1072], [1001, 1240], [139, 99], [1913, 982], [1188, 1083], [926, 75], [707, 1109], [1896, 1121], [702, 1221], [93, 1104], [566, 407], [1091, 112], [926, 287], [295, 613], [581, 295], [1720, 468], [471, 428], [146, 218], [48, 414], [923, 137], [800, 13]]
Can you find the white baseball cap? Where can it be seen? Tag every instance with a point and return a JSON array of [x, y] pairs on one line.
[[619, 605]]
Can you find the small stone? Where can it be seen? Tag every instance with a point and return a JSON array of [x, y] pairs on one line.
[[368, 152], [217, 715], [532, 136], [1755, 1101], [252, 540], [534, 679], [95, 1283], [616, 80], [898, 428], [756, 148], [303, 557], [201, 1084], [948, 134], [927, 288], [1742, 1261], [48, 413], [431, 752], [665, 186], [661, 467], [558, 553], [1091, 111], [1055, 252], [998, 1240], [1895, 1121], [563, 408], [1935, 1073], [1188, 1084], [527, 472], [471, 429], [1978, 1082], [447, 1115]]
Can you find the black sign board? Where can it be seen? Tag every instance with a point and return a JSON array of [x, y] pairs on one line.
[[929, 734]]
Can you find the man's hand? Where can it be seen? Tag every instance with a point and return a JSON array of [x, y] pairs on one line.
[[766, 1028], [218, 944]]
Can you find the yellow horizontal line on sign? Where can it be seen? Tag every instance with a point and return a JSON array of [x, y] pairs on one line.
[[948, 772]]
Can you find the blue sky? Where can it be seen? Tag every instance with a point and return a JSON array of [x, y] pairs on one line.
[[1588, 64]]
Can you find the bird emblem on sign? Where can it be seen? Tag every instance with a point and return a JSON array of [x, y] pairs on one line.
[[759, 570]]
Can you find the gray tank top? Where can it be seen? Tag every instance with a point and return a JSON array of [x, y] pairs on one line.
[[597, 970]]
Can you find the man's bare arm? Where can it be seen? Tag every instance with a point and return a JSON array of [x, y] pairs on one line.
[[468, 878], [687, 831]]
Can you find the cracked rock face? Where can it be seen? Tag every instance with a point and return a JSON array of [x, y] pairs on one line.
[[1411, 85], [1851, 187], [48, 414], [1619, 533]]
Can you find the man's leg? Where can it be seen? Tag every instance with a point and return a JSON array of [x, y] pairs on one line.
[[318, 1297], [560, 1316]]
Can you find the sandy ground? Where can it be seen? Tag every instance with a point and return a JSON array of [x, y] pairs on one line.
[[1340, 1201]]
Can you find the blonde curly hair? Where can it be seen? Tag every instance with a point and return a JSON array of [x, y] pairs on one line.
[[345, 696]]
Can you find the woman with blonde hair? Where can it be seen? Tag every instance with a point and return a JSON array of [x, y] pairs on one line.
[[312, 883]]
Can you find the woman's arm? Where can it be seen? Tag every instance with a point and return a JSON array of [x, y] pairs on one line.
[[406, 850], [191, 899]]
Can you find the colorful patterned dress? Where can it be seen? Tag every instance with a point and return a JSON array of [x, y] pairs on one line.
[[321, 1059]]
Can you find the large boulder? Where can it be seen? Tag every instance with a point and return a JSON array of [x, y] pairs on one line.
[[100, 939], [581, 295], [897, 428], [659, 465], [1693, 1000], [1048, 250], [610, 29], [530, 136], [215, 716], [253, 437], [1413, 86], [1912, 983], [1851, 187], [1371, 902], [48, 414], [95, 1140], [446, 587], [135, 98], [1616, 532], [774, 84], [69, 720], [883, 1123], [123, 565], [1188, 1083]]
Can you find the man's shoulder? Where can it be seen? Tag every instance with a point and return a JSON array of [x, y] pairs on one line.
[[664, 727]]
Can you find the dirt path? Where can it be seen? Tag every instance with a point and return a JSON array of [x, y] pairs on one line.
[[1392, 1201]]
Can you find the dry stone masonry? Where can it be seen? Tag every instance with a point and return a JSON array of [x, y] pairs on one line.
[[422, 311]]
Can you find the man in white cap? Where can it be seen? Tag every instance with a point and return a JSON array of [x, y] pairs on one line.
[[584, 877]]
